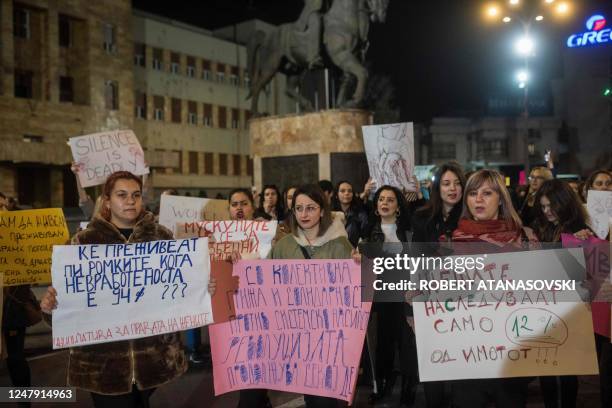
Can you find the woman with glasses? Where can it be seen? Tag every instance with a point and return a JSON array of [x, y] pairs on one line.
[[314, 235], [537, 177]]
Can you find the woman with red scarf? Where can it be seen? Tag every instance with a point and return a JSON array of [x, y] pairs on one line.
[[488, 217]]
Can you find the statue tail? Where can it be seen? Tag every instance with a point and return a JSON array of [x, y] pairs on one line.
[[253, 47]]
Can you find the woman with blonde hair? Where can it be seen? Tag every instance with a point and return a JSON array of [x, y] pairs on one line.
[[489, 217]]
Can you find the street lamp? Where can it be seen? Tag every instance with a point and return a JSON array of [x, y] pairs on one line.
[[526, 15]]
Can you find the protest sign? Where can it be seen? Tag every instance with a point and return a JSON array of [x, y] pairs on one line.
[[424, 172], [597, 261], [174, 210], [98, 155], [390, 153], [507, 333], [226, 237], [599, 206], [227, 284], [299, 327], [26, 242], [124, 291]]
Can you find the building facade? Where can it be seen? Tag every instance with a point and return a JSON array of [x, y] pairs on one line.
[[191, 108], [65, 70]]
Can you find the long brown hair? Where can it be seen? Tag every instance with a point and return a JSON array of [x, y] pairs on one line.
[[109, 185], [435, 206], [565, 204], [315, 193], [496, 181]]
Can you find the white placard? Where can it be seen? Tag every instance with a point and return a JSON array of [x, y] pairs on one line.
[[599, 207], [99, 155], [390, 153], [520, 334], [174, 210], [124, 291]]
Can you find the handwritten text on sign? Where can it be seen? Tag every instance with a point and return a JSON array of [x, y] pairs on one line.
[[240, 235], [509, 334], [599, 206], [177, 209], [26, 242], [124, 291], [299, 327], [101, 154]]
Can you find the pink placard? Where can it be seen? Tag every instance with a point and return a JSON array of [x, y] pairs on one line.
[[522, 178], [300, 327], [597, 259]]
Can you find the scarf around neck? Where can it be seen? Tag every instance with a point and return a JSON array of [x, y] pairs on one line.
[[498, 232]]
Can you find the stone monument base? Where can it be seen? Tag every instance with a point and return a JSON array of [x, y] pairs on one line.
[[305, 148]]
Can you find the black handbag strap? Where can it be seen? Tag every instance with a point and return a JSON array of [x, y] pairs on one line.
[[305, 252]]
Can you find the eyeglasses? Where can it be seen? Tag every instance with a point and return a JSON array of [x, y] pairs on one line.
[[308, 210]]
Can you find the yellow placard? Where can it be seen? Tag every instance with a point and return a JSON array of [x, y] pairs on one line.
[[26, 244]]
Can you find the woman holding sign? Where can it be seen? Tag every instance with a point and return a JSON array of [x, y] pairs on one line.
[[559, 212], [314, 235], [123, 373], [435, 222], [488, 217]]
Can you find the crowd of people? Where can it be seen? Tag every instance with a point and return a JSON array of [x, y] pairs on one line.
[[329, 222]]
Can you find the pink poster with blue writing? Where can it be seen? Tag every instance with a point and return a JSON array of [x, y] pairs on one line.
[[300, 327]]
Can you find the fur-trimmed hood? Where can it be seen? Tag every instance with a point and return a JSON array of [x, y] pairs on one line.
[[335, 230]]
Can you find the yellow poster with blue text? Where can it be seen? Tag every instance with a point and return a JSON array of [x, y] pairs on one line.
[[26, 244]]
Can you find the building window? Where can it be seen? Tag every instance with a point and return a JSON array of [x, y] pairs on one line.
[[193, 162], [66, 89], [192, 116], [207, 118], [234, 78], [158, 107], [236, 164], [111, 95], [141, 105], [208, 163], [21, 22], [531, 149], [235, 118], [247, 117], [222, 117], [176, 110], [223, 164], [249, 166], [140, 52], [247, 81], [158, 59], [191, 67], [32, 139], [534, 134], [23, 83], [110, 44], [65, 31], [175, 63], [220, 73], [488, 148], [206, 72], [443, 151]]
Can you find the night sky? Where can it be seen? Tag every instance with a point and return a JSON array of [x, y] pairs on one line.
[[443, 58]]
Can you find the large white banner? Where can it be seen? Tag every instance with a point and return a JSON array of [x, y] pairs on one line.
[[507, 333], [390, 153], [174, 210], [98, 155], [124, 291], [599, 206]]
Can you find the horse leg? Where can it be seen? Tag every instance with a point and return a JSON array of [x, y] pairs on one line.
[[293, 83], [265, 77], [344, 84], [351, 65]]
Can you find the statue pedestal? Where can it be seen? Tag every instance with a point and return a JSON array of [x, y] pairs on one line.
[[305, 148]]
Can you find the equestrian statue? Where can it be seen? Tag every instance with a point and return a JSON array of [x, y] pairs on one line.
[[315, 40]]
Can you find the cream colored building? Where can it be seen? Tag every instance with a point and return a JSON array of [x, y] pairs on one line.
[[191, 110], [65, 69]]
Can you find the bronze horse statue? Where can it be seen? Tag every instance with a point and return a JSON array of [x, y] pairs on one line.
[[293, 48]]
